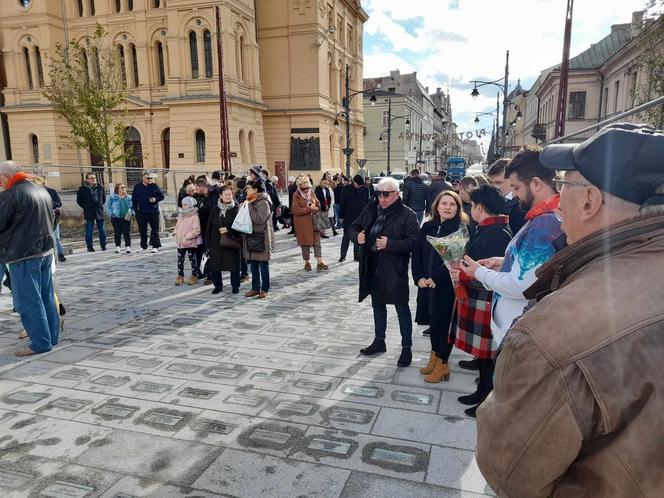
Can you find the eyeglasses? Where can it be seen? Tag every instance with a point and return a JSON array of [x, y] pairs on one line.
[[304, 189], [559, 184], [385, 193]]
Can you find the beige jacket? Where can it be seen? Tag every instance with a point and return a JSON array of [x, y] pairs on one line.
[[578, 404]]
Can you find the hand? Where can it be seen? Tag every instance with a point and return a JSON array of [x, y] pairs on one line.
[[430, 283], [128, 216], [223, 230], [469, 266], [152, 200], [381, 243], [361, 238], [422, 283], [492, 263], [314, 209]]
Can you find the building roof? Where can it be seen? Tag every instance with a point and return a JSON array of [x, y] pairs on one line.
[[601, 51], [518, 90]]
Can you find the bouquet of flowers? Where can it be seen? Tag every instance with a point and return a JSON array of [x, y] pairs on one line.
[[452, 249]]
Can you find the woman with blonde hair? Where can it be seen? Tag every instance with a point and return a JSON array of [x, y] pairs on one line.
[[433, 278], [304, 208]]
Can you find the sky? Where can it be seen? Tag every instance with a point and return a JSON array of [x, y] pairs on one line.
[[450, 42]]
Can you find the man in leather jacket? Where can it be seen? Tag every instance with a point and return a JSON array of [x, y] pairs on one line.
[[579, 393], [91, 197], [26, 247]]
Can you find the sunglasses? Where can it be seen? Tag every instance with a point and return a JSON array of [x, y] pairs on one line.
[[384, 193]]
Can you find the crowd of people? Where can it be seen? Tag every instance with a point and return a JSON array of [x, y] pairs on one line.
[[557, 297]]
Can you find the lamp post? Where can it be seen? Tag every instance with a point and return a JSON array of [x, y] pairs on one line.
[[390, 120], [504, 87]]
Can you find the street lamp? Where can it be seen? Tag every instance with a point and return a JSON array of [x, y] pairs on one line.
[[390, 120]]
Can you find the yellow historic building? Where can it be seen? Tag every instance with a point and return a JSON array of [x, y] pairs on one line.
[[284, 73]]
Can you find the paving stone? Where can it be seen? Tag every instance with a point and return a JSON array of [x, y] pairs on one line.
[[249, 475], [245, 401], [456, 469], [374, 393], [132, 487]]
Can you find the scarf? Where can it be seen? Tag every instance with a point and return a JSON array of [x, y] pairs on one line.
[[185, 212], [223, 207], [547, 206], [254, 196], [306, 196], [495, 220], [379, 224], [20, 176]]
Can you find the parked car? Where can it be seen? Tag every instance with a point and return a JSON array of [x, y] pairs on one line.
[[399, 176]]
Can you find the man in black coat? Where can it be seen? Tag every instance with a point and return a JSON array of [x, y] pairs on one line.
[[438, 184], [415, 194], [91, 197], [387, 232], [354, 198]]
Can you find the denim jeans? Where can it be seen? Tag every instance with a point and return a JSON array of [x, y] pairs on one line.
[[58, 243], [420, 216], [89, 230], [32, 290], [337, 207], [405, 322], [260, 275]]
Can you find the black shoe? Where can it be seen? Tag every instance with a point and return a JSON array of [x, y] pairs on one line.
[[377, 346], [323, 236], [91, 249], [427, 332], [473, 364], [62, 310], [472, 411], [405, 358], [341, 260], [334, 232], [473, 399], [236, 291], [103, 248], [276, 229], [216, 291], [292, 232], [62, 258]]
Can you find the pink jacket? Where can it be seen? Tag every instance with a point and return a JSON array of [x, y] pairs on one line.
[[187, 230]]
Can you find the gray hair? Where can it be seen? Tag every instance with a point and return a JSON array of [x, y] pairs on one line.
[[10, 168], [388, 183]]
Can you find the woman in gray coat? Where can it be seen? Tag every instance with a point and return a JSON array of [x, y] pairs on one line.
[[257, 246]]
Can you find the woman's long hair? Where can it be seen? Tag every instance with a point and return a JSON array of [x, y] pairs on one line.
[[435, 216]]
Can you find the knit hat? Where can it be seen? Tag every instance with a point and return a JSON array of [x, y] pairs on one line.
[[188, 206], [291, 179], [303, 182], [256, 170]]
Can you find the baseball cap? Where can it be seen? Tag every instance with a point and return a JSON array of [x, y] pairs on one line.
[[622, 159]]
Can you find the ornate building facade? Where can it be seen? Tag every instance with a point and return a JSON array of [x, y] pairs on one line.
[[168, 51]]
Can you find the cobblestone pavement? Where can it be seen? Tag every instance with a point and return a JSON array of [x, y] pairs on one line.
[[165, 391]]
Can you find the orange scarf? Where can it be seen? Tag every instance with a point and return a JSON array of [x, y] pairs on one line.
[[20, 176], [253, 197], [548, 206]]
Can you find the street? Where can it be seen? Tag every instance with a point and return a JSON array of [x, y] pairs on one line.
[[165, 391]]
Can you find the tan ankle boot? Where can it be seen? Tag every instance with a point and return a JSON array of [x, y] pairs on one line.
[[433, 358], [440, 372], [179, 280]]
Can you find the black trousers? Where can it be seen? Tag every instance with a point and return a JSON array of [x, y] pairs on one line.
[[182, 253], [143, 220], [487, 367], [121, 228], [345, 242], [441, 307]]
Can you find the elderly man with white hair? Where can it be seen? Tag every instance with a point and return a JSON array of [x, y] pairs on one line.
[[579, 393], [26, 247], [386, 231]]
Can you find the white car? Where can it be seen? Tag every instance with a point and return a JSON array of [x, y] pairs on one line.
[[399, 176]]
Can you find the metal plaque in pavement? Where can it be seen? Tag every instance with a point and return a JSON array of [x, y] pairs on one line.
[[161, 418], [363, 391], [69, 404], [237, 399], [109, 380], [393, 457], [144, 363], [325, 445], [24, 397], [350, 415], [115, 410], [298, 408], [413, 398], [268, 377], [222, 373], [11, 480], [273, 437], [61, 489], [186, 368], [151, 387], [313, 385], [214, 426], [208, 352], [193, 392], [72, 374]]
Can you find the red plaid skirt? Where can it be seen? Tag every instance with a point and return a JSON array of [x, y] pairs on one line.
[[472, 323]]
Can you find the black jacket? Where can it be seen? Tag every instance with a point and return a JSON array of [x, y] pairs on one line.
[[92, 201], [337, 193], [415, 194], [426, 262], [322, 194], [141, 195], [204, 204], [353, 201], [271, 191], [26, 222], [436, 187], [516, 214], [222, 258], [291, 190], [384, 274]]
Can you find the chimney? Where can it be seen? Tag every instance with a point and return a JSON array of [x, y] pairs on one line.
[[438, 91], [637, 23], [395, 74]]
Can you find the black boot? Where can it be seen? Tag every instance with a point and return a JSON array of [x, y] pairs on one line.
[[377, 346], [473, 364], [472, 411], [427, 332], [473, 399], [405, 358]]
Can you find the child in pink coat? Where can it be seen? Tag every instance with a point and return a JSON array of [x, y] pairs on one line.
[[187, 238]]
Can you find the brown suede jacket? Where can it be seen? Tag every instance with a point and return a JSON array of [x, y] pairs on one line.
[[578, 405]]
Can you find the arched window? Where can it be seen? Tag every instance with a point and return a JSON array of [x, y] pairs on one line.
[[238, 56], [130, 5], [252, 147], [166, 147], [134, 62], [123, 66], [243, 58], [118, 5], [80, 8], [40, 71], [96, 72], [28, 68], [207, 48], [243, 147], [193, 54], [85, 66], [157, 4], [161, 70], [92, 7], [333, 82], [34, 143], [134, 150], [200, 146]]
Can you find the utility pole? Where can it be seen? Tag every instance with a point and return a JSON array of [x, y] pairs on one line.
[[223, 105], [419, 158], [506, 93], [564, 74], [389, 133], [346, 105]]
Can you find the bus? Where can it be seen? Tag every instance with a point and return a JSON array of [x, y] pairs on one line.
[[456, 168]]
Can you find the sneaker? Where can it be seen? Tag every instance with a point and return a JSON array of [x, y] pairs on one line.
[[377, 346], [155, 250], [117, 249], [128, 250]]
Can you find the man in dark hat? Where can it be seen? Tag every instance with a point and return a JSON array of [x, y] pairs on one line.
[[579, 393]]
